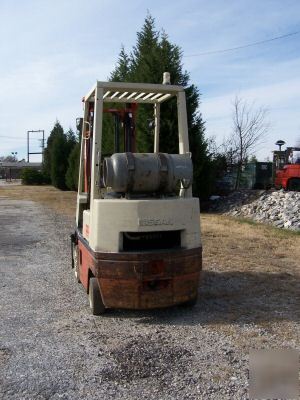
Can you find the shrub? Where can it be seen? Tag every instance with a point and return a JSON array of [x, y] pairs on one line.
[[31, 176], [73, 169]]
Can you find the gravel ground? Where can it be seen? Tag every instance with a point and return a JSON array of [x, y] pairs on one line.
[[51, 347]]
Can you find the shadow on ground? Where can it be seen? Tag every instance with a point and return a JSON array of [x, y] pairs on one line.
[[233, 298]]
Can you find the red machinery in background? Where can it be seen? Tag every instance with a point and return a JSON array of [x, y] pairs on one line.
[[286, 167]]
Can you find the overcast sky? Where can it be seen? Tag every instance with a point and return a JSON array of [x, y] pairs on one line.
[[52, 52]]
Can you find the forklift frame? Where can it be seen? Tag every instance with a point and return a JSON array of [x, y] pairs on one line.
[[134, 279]]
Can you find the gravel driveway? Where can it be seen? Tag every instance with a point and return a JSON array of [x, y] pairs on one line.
[[52, 348]]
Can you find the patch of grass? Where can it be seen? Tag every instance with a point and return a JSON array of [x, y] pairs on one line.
[[276, 231], [231, 245], [246, 221], [63, 202]]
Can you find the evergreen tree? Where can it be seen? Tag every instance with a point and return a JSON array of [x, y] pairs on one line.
[[122, 68], [73, 166], [59, 161], [71, 140], [56, 131], [152, 55], [57, 152], [73, 144], [145, 62]]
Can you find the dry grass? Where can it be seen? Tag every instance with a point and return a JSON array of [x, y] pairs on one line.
[[235, 245], [255, 269], [61, 202]]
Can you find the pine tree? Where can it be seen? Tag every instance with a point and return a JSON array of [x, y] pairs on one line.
[[123, 67], [73, 168], [57, 152], [56, 131], [71, 139], [73, 160], [145, 62], [59, 161], [152, 55]]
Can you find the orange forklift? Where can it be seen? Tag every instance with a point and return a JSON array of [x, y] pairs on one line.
[[286, 167]]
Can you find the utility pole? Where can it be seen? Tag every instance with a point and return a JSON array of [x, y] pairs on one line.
[[42, 143]]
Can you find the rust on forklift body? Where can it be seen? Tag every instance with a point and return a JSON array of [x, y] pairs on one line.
[[143, 280]]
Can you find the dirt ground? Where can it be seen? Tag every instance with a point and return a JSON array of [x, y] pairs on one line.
[[249, 298]]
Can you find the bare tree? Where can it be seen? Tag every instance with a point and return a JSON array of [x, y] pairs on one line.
[[249, 131], [9, 158], [213, 148], [229, 152]]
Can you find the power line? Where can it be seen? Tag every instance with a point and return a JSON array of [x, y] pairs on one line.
[[14, 137], [10, 137], [243, 46]]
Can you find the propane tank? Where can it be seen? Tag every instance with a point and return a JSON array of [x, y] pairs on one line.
[[147, 172]]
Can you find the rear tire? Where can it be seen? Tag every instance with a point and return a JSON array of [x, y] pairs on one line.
[[294, 185], [190, 303], [95, 298], [76, 264]]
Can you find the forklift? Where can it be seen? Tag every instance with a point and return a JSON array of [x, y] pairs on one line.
[[137, 242], [286, 167]]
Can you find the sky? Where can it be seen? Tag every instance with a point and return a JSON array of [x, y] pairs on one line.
[[52, 52]]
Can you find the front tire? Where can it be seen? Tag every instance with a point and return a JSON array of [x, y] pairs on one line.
[[95, 298]]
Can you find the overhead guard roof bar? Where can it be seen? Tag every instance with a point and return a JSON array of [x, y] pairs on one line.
[[121, 92]]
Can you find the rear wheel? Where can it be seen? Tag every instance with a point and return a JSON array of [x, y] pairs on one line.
[[190, 303], [294, 184], [76, 264], [95, 298]]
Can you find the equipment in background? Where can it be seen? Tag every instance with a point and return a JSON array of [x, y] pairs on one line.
[[42, 144], [286, 167], [137, 242]]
